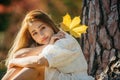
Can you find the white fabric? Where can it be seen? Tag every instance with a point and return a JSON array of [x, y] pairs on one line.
[[66, 60]]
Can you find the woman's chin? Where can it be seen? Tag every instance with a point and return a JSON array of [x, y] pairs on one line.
[[45, 43]]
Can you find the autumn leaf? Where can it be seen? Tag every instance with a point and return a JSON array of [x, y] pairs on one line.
[[73, 26]]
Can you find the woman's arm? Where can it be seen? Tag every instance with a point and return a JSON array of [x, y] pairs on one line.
[[28, 59], [31, 62], [25, 52]]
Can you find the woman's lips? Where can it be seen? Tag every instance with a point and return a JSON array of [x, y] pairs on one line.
[[44, 39]]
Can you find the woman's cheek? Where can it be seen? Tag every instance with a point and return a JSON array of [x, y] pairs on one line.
[[36, 39]]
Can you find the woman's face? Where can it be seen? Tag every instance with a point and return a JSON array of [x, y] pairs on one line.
[[40, 32]]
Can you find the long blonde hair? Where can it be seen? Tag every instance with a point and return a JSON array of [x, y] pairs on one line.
[[23, 38]]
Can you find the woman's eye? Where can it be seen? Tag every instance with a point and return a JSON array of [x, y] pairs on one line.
[[34, 33], [43, 27]]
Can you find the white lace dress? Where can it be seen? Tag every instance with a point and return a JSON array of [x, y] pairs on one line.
[[66, 60]]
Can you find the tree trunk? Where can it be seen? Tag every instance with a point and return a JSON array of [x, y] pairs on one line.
[[102, 41]]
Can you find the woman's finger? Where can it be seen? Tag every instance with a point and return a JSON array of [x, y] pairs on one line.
[[61, 34], [53, 39]]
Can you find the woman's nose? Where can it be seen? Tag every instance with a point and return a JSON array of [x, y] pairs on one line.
[[41, 34]]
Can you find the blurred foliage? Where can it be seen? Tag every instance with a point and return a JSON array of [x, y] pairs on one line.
[[4, 17], [4, 21], [74, 7], [70, 6], [2, 73], [2, 68], [5, 2], [56, 8]]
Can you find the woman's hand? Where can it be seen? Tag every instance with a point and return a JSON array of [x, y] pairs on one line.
[[56, 37]]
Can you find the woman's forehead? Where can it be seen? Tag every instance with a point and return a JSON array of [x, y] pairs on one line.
[[36, 24]]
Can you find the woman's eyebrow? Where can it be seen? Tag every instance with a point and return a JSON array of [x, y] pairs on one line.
[[33, 31], [40, 25]]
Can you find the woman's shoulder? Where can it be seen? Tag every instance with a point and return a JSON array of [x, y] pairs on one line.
[[69, 38]]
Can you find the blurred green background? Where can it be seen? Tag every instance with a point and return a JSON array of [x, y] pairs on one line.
[[12, 13]]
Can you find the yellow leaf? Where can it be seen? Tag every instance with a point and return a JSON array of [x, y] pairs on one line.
[[80, 29], [75, 22], [75, 34], [77, 31], [64, 27], [67, 20], [73, 26]]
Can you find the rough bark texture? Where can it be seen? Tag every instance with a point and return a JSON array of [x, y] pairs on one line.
[[102, 41]]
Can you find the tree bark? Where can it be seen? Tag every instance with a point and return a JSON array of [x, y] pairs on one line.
[[102, 40]]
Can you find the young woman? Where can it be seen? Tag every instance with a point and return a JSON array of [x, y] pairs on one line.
[[42, 52], [35, 33]]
